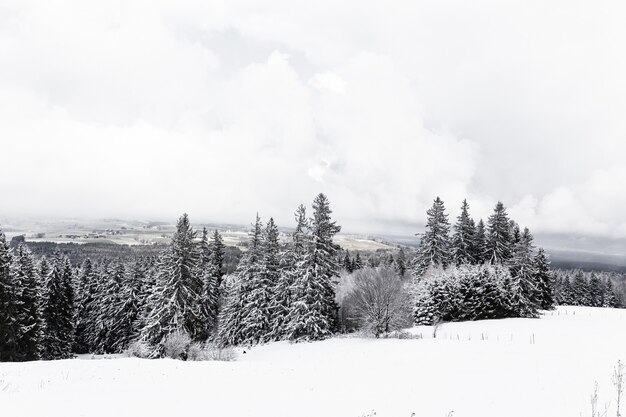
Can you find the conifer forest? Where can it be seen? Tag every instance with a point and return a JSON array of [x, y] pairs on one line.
[[303, 289]]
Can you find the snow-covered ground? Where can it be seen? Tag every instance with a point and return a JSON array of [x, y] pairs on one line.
[[486, 368]]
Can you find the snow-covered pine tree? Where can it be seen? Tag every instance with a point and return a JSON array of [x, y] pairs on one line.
[[524, 273], [218, 251], [543, 278], [463, 239], [231, 326], [301, 234], [29, 319], [358, 262], [111, 303], [289, 271], [9, 306], [498, 236], [313, 313], [480, 243], [211, 275], [257, 317], [580, 290], [400, 264], [176, 298], [58, 310], [595, 291], [434, 248], [87, 287], [126, 324], [610, 300], [347, 262]]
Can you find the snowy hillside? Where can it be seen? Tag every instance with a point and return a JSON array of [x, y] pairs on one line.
[[487, 368]]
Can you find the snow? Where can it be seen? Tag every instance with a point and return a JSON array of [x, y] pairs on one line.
[[485, 368]]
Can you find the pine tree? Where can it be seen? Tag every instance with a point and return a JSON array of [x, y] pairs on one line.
[[232, 328], [257, 305], [358, 262], [499, 236], [434, 248], [9, 306], [580, 290], [58, 310], [523, 270], [463, 250], [218, 251], [126, 319], [176, 298], [347, 262], [610, 300], [313, 314], [401, 263], [84, 306], [211, 260], [288, 273], [544, 279], [596, 291], [480, 243], [30, 320]]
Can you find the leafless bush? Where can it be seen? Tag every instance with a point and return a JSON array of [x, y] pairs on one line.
[[196, 352], [176, 345], [210, 352], [402, 334], [138, 349], [378, 301], [216, 353]]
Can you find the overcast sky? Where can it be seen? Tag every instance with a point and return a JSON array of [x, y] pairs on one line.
[[144, 110]]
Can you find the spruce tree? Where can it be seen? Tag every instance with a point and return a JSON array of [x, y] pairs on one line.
[[358, 262], [176, 298], [126, 324], [257, 305], [29, 318], [434, 248], [58, 310], [313, 314], [544, 279], [401, 263], [498, 236], [85, 303], [218, 251], [480, 243], [463, 251], [9, 306], [523, 270], [232, 327]]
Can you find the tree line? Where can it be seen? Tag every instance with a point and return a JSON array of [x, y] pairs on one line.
[[49, 310], [479, 271], [299, 288]]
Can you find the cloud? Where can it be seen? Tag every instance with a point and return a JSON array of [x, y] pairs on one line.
[[146, 109]]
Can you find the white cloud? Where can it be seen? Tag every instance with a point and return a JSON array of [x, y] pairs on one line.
[[148, 109]]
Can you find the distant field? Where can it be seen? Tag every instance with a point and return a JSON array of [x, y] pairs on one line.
[[146, 233]]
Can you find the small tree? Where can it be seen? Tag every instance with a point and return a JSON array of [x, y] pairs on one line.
[[378, 301]]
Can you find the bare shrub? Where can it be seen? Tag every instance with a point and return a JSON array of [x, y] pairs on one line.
[[402, 334], [378, 301], [214, 352], [139, 349], [196, 352], [176, 345]]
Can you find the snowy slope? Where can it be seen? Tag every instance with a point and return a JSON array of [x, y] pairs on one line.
[[487, 368]]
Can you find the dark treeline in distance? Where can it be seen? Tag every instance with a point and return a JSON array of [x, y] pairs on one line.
[[304, 289]]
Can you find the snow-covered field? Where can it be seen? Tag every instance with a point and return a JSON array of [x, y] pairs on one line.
[[487, 368]]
